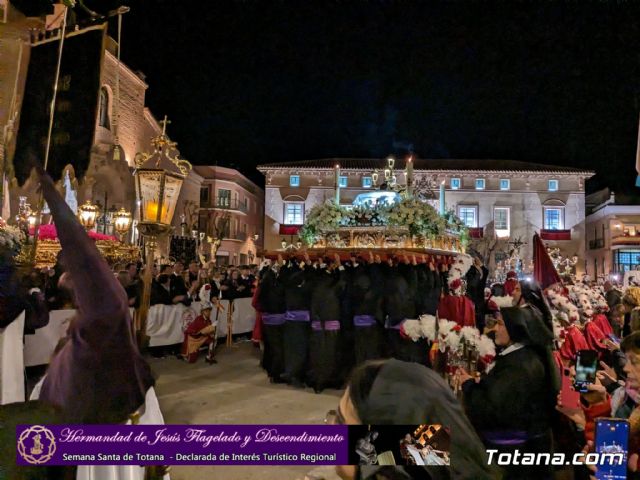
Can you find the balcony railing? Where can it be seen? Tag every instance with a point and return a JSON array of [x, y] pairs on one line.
[[597, 243], [235, 236], [225, 204]]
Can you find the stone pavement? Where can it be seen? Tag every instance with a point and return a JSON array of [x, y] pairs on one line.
[[236, 391]]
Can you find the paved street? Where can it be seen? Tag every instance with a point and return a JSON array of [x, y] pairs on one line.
[[235, 391]]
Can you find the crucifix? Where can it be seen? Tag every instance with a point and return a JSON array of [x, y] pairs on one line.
[[164, 124]]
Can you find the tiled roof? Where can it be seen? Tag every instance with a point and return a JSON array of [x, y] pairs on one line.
[[478, 165]]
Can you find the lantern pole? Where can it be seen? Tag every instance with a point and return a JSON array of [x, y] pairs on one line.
[[152, 226]]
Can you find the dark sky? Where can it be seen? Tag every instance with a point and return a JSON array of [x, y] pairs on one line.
[[254, 82]]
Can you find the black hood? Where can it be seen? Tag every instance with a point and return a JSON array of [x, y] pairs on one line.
[[526, 325], [411, 394]]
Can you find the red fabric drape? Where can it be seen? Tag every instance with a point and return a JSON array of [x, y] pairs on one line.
[[543, 270], [459, 309]]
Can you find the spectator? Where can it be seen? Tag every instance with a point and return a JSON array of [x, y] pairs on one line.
[[392, 392], [161, 291]]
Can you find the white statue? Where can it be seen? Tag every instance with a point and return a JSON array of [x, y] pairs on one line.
[[70, 195]]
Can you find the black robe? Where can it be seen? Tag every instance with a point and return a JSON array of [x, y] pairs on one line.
[[366, 287], [297, 293], [324, 346], [476, 283], [400, 293], [271, 301], [515, 396]]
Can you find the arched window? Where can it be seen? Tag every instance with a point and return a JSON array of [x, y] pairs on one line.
[[103, 109]]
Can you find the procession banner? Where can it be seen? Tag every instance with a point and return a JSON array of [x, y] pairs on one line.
[[182, 445]]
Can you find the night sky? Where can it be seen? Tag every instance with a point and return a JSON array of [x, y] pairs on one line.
[[254, 82]]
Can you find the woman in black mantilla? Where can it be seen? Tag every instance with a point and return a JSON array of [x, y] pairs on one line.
[[324, 344], [512, 406]]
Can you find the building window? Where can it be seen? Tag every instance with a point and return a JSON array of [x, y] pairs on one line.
[[246, 204], [204, 196], [505, 184], [553, 218], [553, 185], [224, 198], [343, 182], [294, 213], [455, 184], [625, 260], [294, 180], [502, 221], [469, 215], [367, 182], [479, 183], [103, 109]]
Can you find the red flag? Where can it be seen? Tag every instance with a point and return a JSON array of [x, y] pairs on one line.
[[543, 270]]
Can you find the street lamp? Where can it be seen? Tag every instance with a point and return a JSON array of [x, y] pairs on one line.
[[158, 179], [87, 214], [122, 222]]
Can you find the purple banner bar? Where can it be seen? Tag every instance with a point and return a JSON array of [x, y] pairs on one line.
[[182, 445]]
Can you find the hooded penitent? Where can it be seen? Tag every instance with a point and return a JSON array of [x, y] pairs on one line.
[[408, 393], [98, 376]]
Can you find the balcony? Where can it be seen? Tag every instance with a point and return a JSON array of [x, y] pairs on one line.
[[624, 240], [225, 204], [596, 244], [237, 236]]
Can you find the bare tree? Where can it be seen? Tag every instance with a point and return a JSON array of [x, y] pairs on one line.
[[487, 246], [217, 229]]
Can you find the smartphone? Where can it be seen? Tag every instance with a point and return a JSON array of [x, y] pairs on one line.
[[586, 365], [612, 439], [570, 398], [614, 338]]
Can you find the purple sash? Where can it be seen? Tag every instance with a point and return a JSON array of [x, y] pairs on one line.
[[364, 320], [273, 318], [507, 437], [393, 327], [297, 316], [328, 325]]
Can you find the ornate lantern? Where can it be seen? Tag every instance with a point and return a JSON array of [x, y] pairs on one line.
[[158, 179], [88, 214], [122, 222]]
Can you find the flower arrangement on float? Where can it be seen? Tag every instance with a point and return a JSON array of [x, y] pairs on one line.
[[419, 217], [461, 346], [11, 238]]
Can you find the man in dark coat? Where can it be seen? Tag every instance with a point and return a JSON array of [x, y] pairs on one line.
[[476, 279]]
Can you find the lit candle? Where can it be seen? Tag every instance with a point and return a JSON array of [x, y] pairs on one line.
[[410, 177], [337, 184], [442, 198], [152, 212]]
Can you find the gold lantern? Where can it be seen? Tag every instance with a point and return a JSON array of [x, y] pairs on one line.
[[88, 214], [158, 178], [122, 222]]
